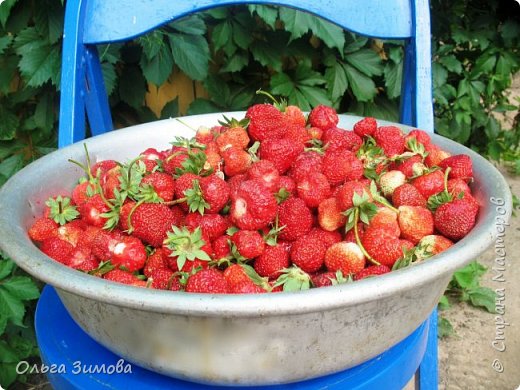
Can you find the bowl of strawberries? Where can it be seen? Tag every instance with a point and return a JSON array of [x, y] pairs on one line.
[[236, 248]]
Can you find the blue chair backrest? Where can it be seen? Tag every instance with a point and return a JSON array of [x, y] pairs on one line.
[[92, 22]]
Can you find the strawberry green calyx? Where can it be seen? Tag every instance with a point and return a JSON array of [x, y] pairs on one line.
[[232, 122], [195, 198], [257, 279], [409, 257], [416, 147], [187, 143], [280, 105], [147, 193], [282, 195], [102, 268], [61, 211], [195, 163], [316, 146], [186, 245], [235, 254], [293, 279], [112, 216], [131, 177], [341, 279], [271, 238], [253, 151]]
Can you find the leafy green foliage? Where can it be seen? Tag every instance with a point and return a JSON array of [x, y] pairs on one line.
[[17, 341], [465, 287]]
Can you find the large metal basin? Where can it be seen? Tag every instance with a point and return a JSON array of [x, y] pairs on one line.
[[241, 339]]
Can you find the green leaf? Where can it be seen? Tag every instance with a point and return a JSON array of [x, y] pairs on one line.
[[48, 20], [367, 61], [10, 165], [363, 87], [332, 35], [170, 109], [9, 123], [192, 24], [469, 275], [451, 63], [444, 303], [221, 34], [440, 75], [8, 64], [21, 287], [109, 77], [5, 41], [354, 43], [39, 64], [296, 22], [444, 327], [6, 267], [267, 54], [337, 82], [11, 307], [202, 106], [152, 43], [483, 297], [236, 63], [267, 13], [241, 36], [7, 353], [158, 68], [132, 86], [191, 54], [393, 79], [5, 10]]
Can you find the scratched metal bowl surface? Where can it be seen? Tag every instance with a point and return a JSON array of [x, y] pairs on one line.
[[235, 339]]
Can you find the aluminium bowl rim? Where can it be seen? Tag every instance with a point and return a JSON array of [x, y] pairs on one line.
[[246, 305]]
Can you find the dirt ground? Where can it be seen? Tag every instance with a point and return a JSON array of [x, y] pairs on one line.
[[484, 352]]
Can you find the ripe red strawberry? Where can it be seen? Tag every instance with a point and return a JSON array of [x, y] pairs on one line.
[[432, 245], [205, 135], [267, 172], [272, 261], [208, 280], [91, 211], [415, 222], [296, 217], [80, 193], [315, 133], [88, 264], [150, 157], [155, 261], [420, 136], [297, 134], [221, 248], [323, 279], [366, 126], [110, 182], [43, 228], [59, 250], [182, 184], [456, 218], [308, 253], [435, 155], [212, 225], [386, 218], [213, 158], [341, 166], [253, 206], [305, 164], [70, 232], [390, 180], [104, 242], [174, 158], [323, 117], [382, 245], [234, 183], [239, 282], [330, 215], [215, 192], [461, 167], [281, 152], [162, 183], [346, 257], [430, 184], [288, 184], [346, 192], [390, 139], [350, 236], [457, 187], [161, 278], [129, 253], [294, 116], [249, 243], [102, 167], [328, 238], [120, 276], [370, 271], [338, 139], [236, 161], [266, 122], [407, 195], [313, 189], [412, 166], [232, 137], [151, 221]]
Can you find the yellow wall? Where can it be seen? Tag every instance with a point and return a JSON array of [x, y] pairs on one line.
[[178, 84]]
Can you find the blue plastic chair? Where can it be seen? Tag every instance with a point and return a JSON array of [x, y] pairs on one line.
[[92, 22]]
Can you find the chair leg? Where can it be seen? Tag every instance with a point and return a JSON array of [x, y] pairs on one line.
[[428, 377]]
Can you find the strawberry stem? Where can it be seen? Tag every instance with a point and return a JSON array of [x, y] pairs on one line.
[[185, 124], [261, 92], [358, 240], [174, 202]]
